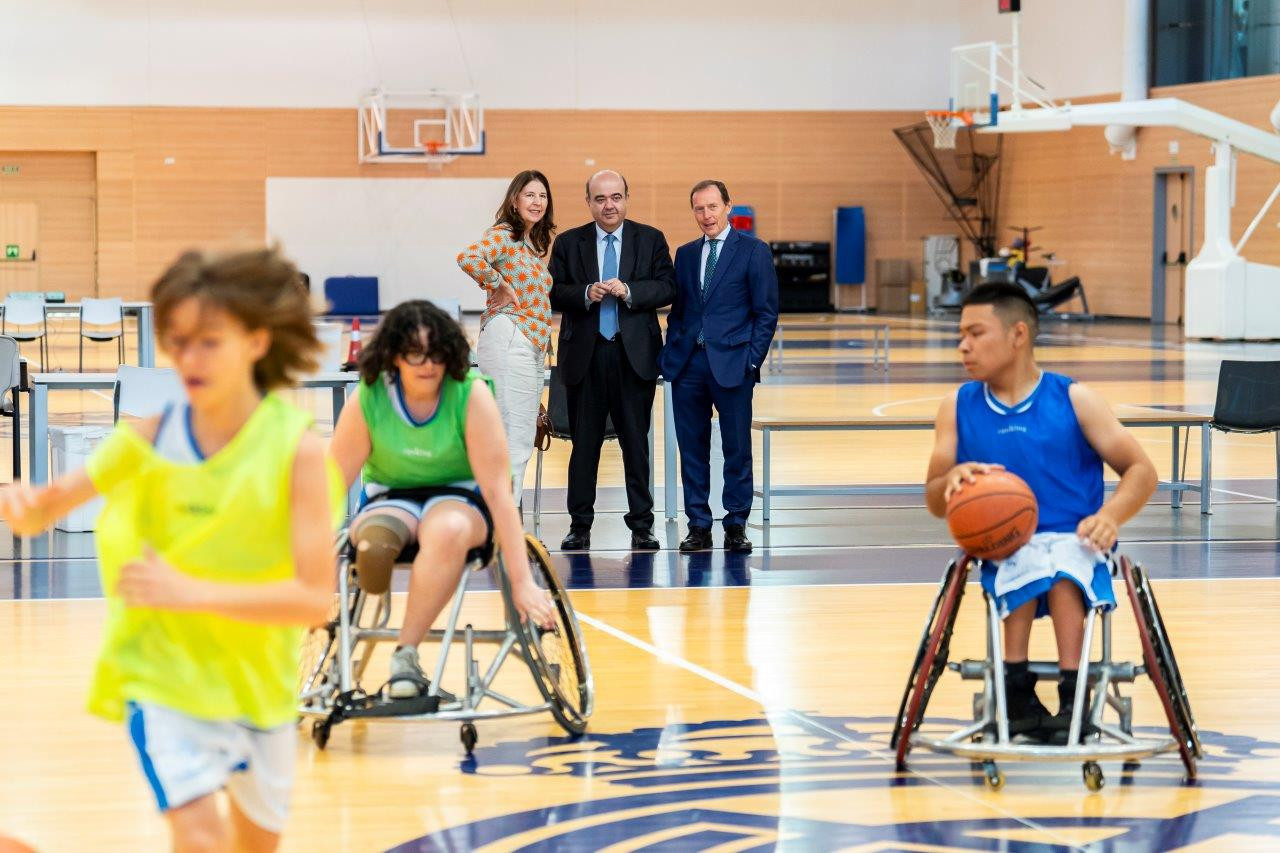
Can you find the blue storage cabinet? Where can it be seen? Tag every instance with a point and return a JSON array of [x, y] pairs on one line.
[[352, 295]]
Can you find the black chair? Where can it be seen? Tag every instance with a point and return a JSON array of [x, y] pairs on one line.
[[558, 412], [1036, 282], [14, 380], [1249, 401]]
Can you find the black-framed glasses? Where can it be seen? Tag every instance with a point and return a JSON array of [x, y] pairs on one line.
[[417, 358]]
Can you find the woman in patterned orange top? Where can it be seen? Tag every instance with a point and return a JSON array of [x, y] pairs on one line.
[[515, 331]]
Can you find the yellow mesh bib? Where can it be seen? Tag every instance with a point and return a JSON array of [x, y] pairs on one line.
[[226, 519]]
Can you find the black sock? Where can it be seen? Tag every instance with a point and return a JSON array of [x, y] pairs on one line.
[[1067, 690], [1019, 689]]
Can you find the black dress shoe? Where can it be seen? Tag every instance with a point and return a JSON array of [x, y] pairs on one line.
[[577, 540], [735, 539], [698, 539], [644, 540]]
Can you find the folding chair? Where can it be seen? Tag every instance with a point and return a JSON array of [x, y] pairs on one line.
[[10, 406], [102, 315], [1249, 402], [142, 392], [28, 312]]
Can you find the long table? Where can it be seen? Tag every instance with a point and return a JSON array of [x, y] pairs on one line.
[[878, 330], [42, 383], [1134, 417]]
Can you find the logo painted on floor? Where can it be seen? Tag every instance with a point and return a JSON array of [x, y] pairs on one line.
[[790, 782]]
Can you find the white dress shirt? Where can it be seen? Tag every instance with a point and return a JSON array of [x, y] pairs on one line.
[[706, 251]]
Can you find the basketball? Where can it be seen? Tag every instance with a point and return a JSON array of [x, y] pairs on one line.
[[993, 516]]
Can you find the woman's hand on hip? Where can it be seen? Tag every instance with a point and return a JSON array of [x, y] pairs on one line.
[[504, 295]]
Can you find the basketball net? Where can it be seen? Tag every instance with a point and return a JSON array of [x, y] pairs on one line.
[[944, 125], [435, 160]]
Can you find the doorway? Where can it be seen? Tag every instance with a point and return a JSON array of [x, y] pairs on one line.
[[1173, 227], [48, 222]]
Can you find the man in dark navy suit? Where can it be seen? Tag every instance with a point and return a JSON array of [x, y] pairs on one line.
[[718, 333]]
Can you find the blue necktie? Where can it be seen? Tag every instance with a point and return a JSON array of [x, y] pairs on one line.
[[609, 305], [706, 276]]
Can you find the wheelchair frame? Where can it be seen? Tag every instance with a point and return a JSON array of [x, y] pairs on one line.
[[337, 653], [1104, 741]]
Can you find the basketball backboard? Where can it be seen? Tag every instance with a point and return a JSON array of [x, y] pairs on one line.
[[433, 127]]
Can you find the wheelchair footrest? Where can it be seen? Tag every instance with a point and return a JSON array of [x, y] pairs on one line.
[[357, 705]]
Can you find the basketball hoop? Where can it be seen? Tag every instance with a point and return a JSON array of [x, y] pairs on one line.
[[432, 150], [945, 123]]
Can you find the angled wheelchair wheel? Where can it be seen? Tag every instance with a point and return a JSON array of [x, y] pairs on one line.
[[1157, 654], [315, 666], [558, 656], [931, 657]]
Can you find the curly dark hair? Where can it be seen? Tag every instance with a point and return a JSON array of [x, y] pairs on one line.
[[260, 288], [400, 333], [544, 229]]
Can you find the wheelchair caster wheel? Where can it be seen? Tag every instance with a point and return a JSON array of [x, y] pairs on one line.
[[320, 733], [1093, 778], [995, 779], [469, 737]]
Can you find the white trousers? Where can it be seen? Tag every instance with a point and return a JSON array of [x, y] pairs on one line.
[[516, 366]]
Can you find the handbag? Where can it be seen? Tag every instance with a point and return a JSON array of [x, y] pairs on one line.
[[542, 430]]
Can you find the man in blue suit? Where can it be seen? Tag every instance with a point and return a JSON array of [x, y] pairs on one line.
[[718, 333]]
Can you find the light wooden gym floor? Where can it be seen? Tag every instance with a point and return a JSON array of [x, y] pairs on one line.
[[743, 703]]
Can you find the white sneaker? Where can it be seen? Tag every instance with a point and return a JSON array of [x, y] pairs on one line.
[[404, 662]]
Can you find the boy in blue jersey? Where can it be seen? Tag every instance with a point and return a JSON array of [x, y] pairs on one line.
[[1055, 434]]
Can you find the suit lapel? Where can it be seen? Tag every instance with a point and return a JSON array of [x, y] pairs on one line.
[[722, 261], [627, 263], [587, 251]]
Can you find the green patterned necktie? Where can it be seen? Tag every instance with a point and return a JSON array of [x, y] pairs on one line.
[[712, 256]]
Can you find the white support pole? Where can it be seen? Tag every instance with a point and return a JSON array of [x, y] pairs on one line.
[[1257, 220], [1016, 53], [1219, 198]]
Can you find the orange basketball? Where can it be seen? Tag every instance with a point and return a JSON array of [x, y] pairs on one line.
[[994, 516]]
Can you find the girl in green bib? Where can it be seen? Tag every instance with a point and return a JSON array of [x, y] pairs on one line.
[[215, 548], [427, 441]]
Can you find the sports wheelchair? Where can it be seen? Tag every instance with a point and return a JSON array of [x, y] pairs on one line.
[[1091, 737], [336, 654]]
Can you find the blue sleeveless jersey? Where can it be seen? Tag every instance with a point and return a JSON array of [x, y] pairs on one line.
[[1040, 440]]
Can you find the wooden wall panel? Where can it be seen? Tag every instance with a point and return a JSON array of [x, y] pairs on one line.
[[61, 187], [793, 167]]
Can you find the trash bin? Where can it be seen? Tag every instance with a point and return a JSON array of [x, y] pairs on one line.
[[71, 448], [333, 355]]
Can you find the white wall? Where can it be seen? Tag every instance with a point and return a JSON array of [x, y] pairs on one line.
[[576, 54], [405, 231], [1074, 48]]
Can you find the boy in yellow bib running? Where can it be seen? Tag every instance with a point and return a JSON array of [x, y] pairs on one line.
[[215, 549]]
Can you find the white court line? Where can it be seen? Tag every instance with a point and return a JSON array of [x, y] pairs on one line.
[[1243, 495], [805, 720], [878, 411]]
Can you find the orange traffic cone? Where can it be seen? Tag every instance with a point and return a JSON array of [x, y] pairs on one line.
[[353, 350]]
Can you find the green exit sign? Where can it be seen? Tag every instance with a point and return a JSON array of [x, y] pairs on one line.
[[11, 250], [10, 169]]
